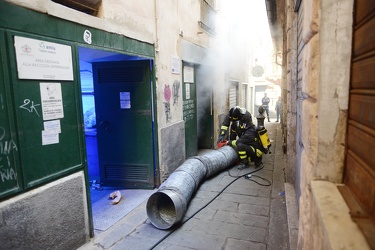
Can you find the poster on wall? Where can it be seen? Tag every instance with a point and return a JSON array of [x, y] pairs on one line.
[[43, 60], [51, 98], [188, 74], [176, 65]]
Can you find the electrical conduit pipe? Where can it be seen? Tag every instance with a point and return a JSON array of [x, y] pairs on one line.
[[167, 206]]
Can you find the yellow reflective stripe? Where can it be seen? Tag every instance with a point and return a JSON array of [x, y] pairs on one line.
[[259, 153], [224, 127], [242, 154], [234, 143]]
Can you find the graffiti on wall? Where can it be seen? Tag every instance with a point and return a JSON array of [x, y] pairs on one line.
[[30, 106], [176, 91], [7, 172], [167, 104]]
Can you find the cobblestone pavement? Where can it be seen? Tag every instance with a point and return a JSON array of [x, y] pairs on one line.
[[246, 214]]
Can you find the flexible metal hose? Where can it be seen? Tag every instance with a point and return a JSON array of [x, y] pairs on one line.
[[168, 205]]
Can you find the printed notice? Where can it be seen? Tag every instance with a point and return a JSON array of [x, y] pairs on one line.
[[188, 74], [48, 137], [53, 126], [187, 91], [176, 65], [52, 103], [125, 100], [38, 59]]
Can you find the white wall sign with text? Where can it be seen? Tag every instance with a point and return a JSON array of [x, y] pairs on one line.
[[188, 74], [43, 60], [52, 103], [176, 65]]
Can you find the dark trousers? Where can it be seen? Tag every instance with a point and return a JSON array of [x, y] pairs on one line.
[[245, 151], [277, 114], [266, 108]]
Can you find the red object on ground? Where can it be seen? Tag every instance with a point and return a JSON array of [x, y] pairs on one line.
[[221, 144]]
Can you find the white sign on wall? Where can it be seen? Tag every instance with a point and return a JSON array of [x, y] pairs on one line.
[[38, 59], [52, 103], [176, 65], [125, 100], [188, 74], [187, 91]]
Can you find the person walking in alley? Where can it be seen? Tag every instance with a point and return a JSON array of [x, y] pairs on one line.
[[278, 109], [238, 119], [265, 102], [249, 147]]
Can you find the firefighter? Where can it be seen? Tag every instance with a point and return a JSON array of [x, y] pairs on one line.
[[238, 119], [249, 147]]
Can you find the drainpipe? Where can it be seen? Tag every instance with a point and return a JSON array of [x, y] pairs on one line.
[[168, 205]]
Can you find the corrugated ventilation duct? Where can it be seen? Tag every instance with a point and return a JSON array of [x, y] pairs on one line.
[[168, 205]]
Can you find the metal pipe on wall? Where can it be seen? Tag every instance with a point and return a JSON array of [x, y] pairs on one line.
[[168, 205]]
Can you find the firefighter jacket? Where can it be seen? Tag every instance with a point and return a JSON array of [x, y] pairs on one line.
[[249, 137], [237, 126]]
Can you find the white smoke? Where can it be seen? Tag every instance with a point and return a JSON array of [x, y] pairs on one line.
[[241, 25]]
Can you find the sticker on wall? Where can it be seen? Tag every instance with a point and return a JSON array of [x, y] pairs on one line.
[[87, 36], [176, 91], [38, 59], [175, 65], [49, 138], [125, 100], [51, 98], [50, 134], [53, 126]]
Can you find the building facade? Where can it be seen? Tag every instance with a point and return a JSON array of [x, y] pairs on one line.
[[118, 92], [328, 94]]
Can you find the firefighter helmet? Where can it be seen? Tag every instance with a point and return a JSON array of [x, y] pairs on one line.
[[235, 113]]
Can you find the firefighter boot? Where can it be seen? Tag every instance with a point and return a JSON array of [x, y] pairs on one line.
[[243, 164], [258, 162]]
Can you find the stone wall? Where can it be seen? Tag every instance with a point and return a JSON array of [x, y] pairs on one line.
[[325, 67], [53, 216]]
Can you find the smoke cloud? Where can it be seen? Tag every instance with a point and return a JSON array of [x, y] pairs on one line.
[[241, 26]]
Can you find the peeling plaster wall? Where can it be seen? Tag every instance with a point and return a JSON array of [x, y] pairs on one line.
[[335, 44]]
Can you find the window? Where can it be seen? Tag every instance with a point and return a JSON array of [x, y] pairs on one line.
[[90, 7], [208, 15]]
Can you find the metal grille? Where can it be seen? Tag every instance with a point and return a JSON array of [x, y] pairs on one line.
[[233, 95], [120, 75], [131, 172]]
